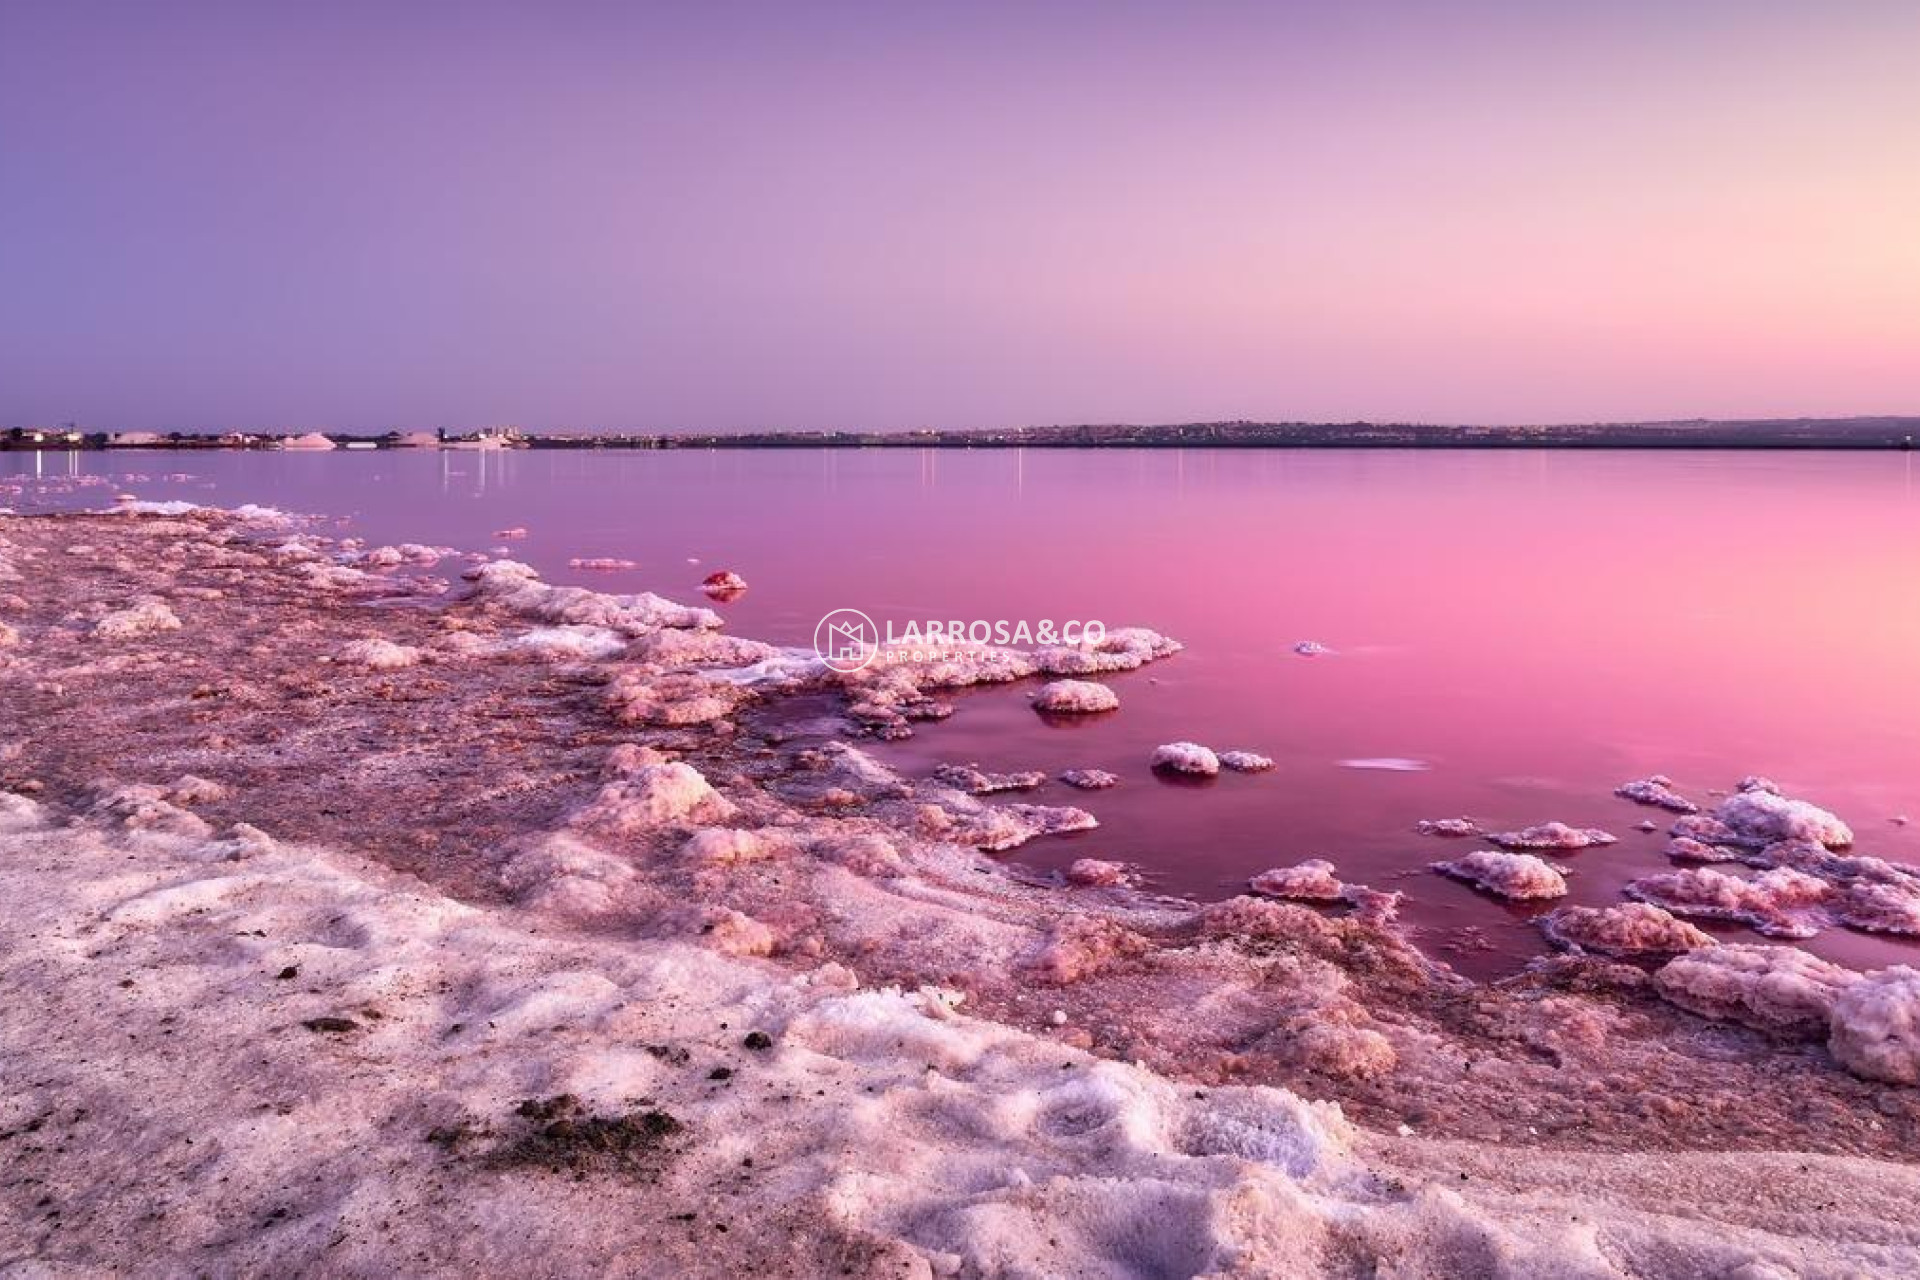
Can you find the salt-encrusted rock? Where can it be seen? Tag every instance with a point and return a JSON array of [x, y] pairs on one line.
[[625, 759], [1656, 791], [1093, 873], [1780, 989], [725, 846], [864, 854], [1519, 876], [510, 585], [1889, 906], [1309, 881], [1124, 649], [707, 649], [1628, 929], [142, 618], [1311, 649], [191, 789], [656, 794], [998, 829], [1453, 828], [731, 932], [1075, 697], [1762, 816], [1775, 903], [380, 655], [561, 874], [971, 779], [1186, 757], [1245, 761], [406, 553], [723, 584], [1090, 779], [1347, 1052], [1687, 849], [1874, 1027], [145, 807], [1705, 828], [1079, 946], [564, 644], [674, 698], [1552, 835]]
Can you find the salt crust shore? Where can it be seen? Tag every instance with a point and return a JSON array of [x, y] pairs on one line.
[[315, 962]]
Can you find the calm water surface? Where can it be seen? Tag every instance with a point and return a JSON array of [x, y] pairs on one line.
[[1536, 627]]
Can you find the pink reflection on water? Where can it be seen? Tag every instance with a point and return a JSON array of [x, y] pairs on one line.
[[1537, 627]]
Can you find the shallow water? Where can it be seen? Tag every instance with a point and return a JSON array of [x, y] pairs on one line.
[[1536, 627]]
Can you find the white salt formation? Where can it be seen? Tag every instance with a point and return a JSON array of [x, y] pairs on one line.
[[517, 589], [1309, 881], [1519, 876], [1759, 814], [1687, 849], [1772, 988], [1875, 1026], [1245, 761], [1095, 873], [142, 618], [971, 779], [1452, 828], [1075, 697], [1186, 757], [381, 655], [1779, 903], [1090, 779], [1628, 929], [1656, 791], [1552, 835]]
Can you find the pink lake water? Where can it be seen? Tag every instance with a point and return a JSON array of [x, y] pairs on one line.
[[1534, 627]]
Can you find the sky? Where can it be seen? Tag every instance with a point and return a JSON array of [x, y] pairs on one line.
[[815, 215]]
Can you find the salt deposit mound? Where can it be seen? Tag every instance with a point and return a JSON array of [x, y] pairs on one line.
[[1779, 903], [1310, 881], [1628, 929], [1552, 835], [1759, 815], [1186, 757], [1075, 697], [380, 655], [1519, 876], [1658, 792], [1780, 989], [142, 618], [1875, 1026]]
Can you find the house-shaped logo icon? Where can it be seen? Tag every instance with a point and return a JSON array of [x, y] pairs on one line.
[[846, 640]]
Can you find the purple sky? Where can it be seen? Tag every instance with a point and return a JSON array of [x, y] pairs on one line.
[[724, 215]]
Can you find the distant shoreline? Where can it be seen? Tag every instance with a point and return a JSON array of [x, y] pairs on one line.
[[1864, 433]]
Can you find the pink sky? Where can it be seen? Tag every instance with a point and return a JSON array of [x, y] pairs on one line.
[[891, 216]]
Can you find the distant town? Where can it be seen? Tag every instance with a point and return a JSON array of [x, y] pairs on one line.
[[1759, 433]]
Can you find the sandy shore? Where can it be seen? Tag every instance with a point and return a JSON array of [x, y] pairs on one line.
[[368, 916]]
